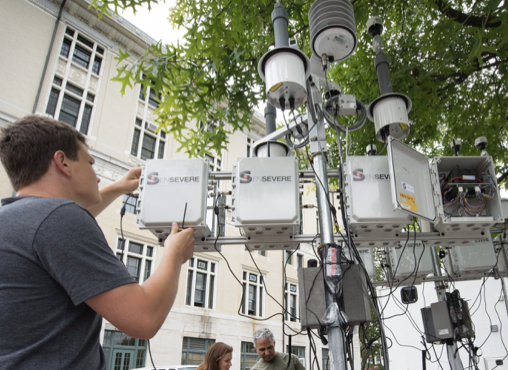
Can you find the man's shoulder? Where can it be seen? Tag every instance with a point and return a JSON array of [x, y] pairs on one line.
[[273, 364]]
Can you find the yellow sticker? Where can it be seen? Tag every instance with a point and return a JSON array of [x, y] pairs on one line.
[[403, 125], [275, 87], [408, 202]]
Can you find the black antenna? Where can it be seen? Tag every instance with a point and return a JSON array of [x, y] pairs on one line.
[[184, 212]]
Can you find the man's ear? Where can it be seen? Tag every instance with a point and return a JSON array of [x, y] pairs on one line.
[[61, 162]]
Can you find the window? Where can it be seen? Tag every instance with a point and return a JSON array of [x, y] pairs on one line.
[[252, 294], [70, 110], [145, 142], [137, 257], [249, 356], [129, 201], [121, 350], [215, 163], [53, 99], [81, 56], [66, 47], [70, 107], [325, 363], [299, 352], [249, 146], [194, 350], [299, 259], [262, 253], [201, 278], [151, 98], [291, 299], [289, 258]]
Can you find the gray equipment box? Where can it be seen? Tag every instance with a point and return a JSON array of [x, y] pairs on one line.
[[311, 288], [166, 186], [438, 325], [436, 322], [265, 199]]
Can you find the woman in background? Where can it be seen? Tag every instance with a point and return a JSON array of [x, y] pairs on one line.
[[218, 357]]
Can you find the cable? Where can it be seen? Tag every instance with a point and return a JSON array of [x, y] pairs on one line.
[[122, 213], [150, 353]]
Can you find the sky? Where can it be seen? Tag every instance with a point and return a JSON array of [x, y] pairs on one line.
[[155, 22]]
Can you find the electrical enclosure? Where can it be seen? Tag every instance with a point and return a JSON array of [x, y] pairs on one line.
[[368, 198], [504, 206], [166, 187], [477, 260], [312, 296], [453, 216], [265, 197], [367, 256], [414, 260], [436, 322], [442, 321], [501, 247], [456, 194]]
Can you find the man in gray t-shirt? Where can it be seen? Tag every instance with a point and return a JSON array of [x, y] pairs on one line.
[[264, 344], [58, 275]]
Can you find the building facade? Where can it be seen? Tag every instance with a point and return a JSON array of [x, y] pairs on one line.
[[76, 87]]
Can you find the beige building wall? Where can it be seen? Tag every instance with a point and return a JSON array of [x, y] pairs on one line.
[[110, 136]]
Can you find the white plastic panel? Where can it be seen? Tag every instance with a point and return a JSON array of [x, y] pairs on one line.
[[368, 195], [414, 259], [266, 200], [285, 77], [391, 111], [411, 184], [167, 185], [367, 256], [468, 259], [504, 207]]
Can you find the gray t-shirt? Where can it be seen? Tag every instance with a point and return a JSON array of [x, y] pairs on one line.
[[53, 257], [279, 362]]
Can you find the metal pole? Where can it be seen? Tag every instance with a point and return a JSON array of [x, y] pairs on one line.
[[451, 349], [270, 118], [335, 335], [280, 25]]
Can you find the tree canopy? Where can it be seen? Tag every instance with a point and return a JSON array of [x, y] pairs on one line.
[[449, 57]]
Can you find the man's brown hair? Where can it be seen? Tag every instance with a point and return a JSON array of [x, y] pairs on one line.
[[27, 147]]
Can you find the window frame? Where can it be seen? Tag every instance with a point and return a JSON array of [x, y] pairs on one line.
[[108, 345], [298, 351], [259, 288], [138, 140], [187, 349], [299, 260], [247, 354], [129, 201], [291, 296], [146, 260], [210, 274], [72, 43]]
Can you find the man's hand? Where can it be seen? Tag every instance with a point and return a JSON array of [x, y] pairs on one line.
[[129, 182], [180, 244]]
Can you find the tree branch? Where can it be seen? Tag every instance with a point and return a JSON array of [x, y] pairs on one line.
[[502, 177], [466, 19]]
